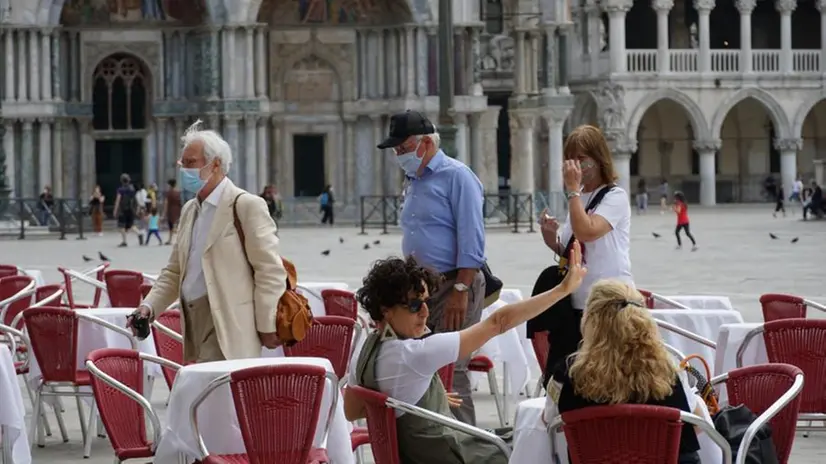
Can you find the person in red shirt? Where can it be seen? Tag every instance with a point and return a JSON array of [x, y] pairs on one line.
[[681, 209]]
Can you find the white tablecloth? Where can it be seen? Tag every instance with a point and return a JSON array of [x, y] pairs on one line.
[[91, 336], [530, 436], [697, 302], [314, 295], [37, 275], [217, 421], [704, 322], [728, 342], [12, 411]]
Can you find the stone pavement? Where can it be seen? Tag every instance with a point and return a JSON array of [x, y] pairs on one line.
[[736, 258]]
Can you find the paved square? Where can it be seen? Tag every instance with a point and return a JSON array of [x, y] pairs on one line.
[[736, 258]]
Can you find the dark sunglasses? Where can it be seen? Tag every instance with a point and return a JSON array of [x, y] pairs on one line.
[[415, 305]]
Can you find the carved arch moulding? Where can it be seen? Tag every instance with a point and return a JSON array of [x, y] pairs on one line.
[[95, 52], [286, 56]]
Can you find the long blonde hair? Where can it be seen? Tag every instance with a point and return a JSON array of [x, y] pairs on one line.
[[622, 358]]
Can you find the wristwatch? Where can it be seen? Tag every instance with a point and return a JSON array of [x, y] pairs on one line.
[[460, 287], [569, 195]]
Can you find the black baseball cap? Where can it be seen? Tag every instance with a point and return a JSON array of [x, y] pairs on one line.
[[403, 125]]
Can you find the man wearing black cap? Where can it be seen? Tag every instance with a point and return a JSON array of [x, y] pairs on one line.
[[444, 229]]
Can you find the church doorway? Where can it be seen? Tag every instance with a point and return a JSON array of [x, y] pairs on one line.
[[308, 170], [120, 99]]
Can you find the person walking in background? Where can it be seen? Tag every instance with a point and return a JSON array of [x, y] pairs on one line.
[[444, 229], [681, 208], [153, 227], [642, 197], [46, 205], [779, 200], [326, 201], [814, 203], [126, 208], [172, 208], [663, 195], [96, 210]]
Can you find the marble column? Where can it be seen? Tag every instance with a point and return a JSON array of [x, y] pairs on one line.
[[261, 155], [44, 161], [177, 64], [556, 117], [11, 157], [522, 124], [381, 82], [161, 140], [786, 8], [8, 35], [489, 126], [22, 66], [821, 7], [215, 66], [232, 90], [820, 172], [476, 159], [421, 61], [622, 163], [350, 188], [87, 158], [704, 8], [662, 7], [56, 71], [410, 60], [745, 7], [28, 185], [45, 65], [57, 159], [261, 61], [379, 156], [391, 65], [475, 62], [461, 121], [708, 175], [549, 65], [231, 129], [519, 64], [276, 150], [34, 65], [533, 62], [460, 74], [616, 33], [249, 156], [74, 69], [249, 86], [788, 149], [592, 9]]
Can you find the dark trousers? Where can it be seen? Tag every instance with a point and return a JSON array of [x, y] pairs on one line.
[[327, 215], [687, 233], [150, 233], [461, 379]]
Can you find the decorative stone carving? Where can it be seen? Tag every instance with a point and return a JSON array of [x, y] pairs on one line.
[[786, 145], [745, 7], [705, 5], [785, 6], [611, 107], [521, 120], [311, 80], [625, 147], [666, 5], [820, 5], [592, 7], [707, 146], [617, 6], [94, 52], [498, 54], [339, 58]]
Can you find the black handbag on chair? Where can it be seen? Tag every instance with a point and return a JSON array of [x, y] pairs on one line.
[[732, 422], [562, 320]]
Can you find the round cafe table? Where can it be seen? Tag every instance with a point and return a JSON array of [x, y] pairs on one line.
[[15, 445], [217, 420]]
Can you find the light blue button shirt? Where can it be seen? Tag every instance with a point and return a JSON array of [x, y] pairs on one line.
[[442, 219]]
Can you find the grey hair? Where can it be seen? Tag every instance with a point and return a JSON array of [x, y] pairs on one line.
[[214, 145], [434, 137]]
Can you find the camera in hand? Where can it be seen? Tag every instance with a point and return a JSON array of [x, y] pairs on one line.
[[141, 325]]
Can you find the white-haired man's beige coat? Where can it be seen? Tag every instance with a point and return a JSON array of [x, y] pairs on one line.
[[241, 305]]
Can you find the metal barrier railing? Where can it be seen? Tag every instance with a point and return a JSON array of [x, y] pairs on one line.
[[62, 215]]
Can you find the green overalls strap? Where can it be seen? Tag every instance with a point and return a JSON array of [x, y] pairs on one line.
[[420, 440]]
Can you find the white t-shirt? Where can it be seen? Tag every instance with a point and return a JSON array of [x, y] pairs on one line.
[[797, 187], [607, 257], [404, 368]]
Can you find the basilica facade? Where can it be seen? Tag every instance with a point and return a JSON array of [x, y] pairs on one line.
[[301, 89]]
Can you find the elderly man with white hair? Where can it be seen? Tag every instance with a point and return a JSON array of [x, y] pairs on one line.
[[443, 229], [228, 290]]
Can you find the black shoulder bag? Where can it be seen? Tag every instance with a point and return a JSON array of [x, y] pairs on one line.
[[561, 320]]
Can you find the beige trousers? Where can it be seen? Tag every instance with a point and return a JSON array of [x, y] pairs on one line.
[[200, 340]]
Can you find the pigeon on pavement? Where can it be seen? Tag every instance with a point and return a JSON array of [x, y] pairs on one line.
[[341, 240], [102, 257], [326, 253], [774, 237], [656, 235], [377, 242], [87, 259], [366, 246], [794, 240]]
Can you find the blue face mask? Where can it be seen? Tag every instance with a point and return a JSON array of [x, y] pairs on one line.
[[410, 162], [191, 180]]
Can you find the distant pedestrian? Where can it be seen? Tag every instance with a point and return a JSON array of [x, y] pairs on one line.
[[779, 200], [46, 205], [642, 196], [172, 208], [96, 210], [663, 195], [326, 201], [681, 208], [126, 208], [153, 227]]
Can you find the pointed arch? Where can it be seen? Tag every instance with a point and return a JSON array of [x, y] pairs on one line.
[[773, 109], [808, 105], [693, 111]]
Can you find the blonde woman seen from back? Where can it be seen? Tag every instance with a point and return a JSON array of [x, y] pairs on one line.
[[622, 360]]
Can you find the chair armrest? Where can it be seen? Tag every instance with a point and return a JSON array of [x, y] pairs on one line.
[[686, 333], [146, 405], [741, 350], [677, 353], [450, 423], [167, 331], [814, 304], [49, 299], [714, 381], [85, 279], [335, 392], [193, 411], [26, 292], [12, 332], [669, 301], [159, 360], [110, 326], [767, 415]]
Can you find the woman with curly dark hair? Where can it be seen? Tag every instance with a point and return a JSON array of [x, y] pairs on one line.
[[399, 360]]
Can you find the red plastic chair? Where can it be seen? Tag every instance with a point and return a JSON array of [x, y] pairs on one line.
[[777, 306], [7, 270], [381, 425], [649, 298], [117, 383], [768, 387], [166, 333], [277, 409], [620, 434], [329, 337], [541, 347], [53, 337], [446, 375], [484, 365], [801, 343], [49, 295], [145, 289], [340, 303], [124, 288], [15, 295], [67, 281]]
